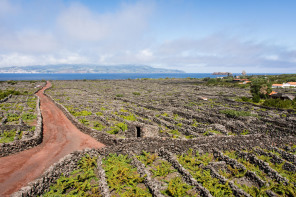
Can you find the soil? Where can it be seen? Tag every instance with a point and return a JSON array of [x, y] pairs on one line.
[[60, 137]]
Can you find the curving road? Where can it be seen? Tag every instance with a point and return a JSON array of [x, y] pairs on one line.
[[60, 137]]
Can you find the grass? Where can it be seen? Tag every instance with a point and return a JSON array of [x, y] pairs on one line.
[[122, 178], [137, 93], [192, 162], [7, 136], [98, 126], [177, 188], [277, 187], [12, 117], [28, 116], [81, 182], [129, 117]]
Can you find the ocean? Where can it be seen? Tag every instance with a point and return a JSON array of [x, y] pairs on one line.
[[109, 76]]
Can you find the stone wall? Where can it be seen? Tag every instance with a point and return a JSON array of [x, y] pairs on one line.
[[6, 98], [141, 130], [176, 145], [65, 165], [137, 145], [204, 143], [20, 145], [103, 137]]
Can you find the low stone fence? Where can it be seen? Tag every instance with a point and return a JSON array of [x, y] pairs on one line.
[[6, 98], [135, 146], [20, 145], [64, 166], [176, 145], [204, 143], [103, 137]]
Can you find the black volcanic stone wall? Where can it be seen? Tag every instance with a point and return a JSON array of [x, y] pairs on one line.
[[24, 144], [103, 137], [6, 98]]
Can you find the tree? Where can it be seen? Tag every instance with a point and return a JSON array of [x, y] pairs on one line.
[[260, 88]]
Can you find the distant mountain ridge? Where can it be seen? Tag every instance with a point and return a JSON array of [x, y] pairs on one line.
[[86, 68]]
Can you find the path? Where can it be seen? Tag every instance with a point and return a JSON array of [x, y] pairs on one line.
[[60, 137]]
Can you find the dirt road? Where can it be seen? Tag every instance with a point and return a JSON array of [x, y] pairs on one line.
[[61, 137]]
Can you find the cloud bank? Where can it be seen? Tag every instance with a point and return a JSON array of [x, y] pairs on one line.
[[125, 35]]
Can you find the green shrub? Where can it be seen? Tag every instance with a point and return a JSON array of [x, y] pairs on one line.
[[84, 121], [234, 113], [114, 130], [279, 103], [178, 188], [81, 182], [119, 95], [245, 99], [7, 136], [12, 117], [122, 126], [130, 117], [256, 98], [12, 82], [98, 126], [28, 116], [99, 114], [82, 113], [5, 93], [136, 93], [122, 177]]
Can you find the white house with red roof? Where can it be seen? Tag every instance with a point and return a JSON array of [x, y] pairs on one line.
[[284, 85]]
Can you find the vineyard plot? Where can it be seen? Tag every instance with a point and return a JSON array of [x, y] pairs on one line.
[[18, 113], [173, 107]]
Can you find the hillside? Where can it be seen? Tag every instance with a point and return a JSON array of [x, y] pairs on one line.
[[86, 68]]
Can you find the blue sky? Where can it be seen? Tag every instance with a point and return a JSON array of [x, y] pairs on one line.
[[190, 35]]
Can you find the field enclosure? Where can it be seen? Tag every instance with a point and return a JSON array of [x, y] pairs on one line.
[[18, 113], [168, 108], [172, 137], [195, 172]]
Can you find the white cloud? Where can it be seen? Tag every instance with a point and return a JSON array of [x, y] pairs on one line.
[[78, 34], [29, 41], [81, 24], [6, 8]]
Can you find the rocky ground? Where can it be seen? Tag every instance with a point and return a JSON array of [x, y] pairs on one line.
[[175, 107], [18, 113], [171, 137]]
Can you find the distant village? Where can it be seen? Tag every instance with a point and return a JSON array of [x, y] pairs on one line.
[[278, 90]]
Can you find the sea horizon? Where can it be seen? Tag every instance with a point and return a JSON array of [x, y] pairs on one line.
[[111, 76]]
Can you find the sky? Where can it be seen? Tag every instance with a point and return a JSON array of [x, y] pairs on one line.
[[196, 36]]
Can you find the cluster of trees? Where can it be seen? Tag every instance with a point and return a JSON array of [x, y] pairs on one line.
[[279, 103], [260, 89]]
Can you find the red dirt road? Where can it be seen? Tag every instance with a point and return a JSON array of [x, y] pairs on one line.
[[60, 137]]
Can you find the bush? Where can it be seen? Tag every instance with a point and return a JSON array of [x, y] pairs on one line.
[[12, 82], [12, 117], [28, 116], [98, 126], [122, 126], [234, 113], [279, 103], [246, 99], [82, 113], [256, 98], [136, 93], [5, 93]]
